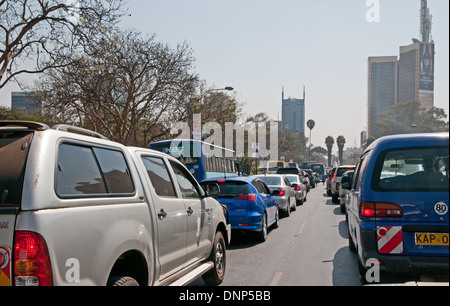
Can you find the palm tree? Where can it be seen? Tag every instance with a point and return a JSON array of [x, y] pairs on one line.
[[340, 142], [329, 141], [311, 124]]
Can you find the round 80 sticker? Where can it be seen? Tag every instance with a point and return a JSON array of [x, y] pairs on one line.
[[441, 208]]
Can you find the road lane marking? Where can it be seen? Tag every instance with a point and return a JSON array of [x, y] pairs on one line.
[[302, 227], [276, 279]]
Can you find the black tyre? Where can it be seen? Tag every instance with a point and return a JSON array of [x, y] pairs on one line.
[[218, 256], [122, 281], [262, 235]]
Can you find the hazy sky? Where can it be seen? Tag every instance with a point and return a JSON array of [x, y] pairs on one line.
[[258, 46]]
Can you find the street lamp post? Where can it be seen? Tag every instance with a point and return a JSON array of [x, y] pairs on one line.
[[414, 126], [197, 118], [202, 97]]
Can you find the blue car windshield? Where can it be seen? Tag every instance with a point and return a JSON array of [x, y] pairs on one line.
[[415, 169]]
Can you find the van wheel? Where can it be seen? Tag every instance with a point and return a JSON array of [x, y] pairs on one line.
[[215, 276], [122, 281], [351, 244]]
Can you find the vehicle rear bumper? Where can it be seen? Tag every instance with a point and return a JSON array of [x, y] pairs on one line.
[[283, 203], [417, 265], [250, 223]]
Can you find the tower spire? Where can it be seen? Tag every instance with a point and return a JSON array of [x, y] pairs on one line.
[[426, 21]]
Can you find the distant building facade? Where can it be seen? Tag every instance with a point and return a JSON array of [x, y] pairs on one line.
[[293, 115], [382, 93], [416, 74], [408, 78], [25, 102]]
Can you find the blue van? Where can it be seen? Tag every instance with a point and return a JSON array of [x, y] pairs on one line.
[[398, 211]]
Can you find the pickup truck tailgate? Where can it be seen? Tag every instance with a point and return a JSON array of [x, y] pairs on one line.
[[6, 241]]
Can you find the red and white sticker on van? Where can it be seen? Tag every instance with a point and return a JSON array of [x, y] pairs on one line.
[[390, 239], [5, 269]]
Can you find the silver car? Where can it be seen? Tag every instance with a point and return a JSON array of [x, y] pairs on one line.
[[281, 188], [299, 185], [346, 182], [78, 209]]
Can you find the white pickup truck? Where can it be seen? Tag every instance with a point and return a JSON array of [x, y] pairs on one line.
[[78, 209]]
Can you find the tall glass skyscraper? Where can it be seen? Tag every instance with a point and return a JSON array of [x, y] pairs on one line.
[[382, 93]]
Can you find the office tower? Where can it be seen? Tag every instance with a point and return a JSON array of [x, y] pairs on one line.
[[293, 114], [416, 73], [416, 65], [382, 87]]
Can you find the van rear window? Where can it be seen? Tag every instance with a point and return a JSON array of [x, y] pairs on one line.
[[414, 169], [14, 147]]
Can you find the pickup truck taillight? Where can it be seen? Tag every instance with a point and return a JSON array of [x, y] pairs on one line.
[[31, 260]]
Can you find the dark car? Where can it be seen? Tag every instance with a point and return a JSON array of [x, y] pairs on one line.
[[310, 175]]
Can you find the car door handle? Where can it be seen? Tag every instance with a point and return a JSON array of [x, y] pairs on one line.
[[189, 211], [162, 214]]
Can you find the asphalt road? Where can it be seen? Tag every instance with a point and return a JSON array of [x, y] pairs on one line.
[[310, 248]]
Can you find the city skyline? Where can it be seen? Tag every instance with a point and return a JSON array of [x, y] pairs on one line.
[[259, 46]]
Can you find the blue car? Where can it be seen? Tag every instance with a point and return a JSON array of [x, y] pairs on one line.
[[398, 217], [249, 203]]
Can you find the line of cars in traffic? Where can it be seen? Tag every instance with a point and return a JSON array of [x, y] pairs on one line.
[[255, 203], [396, 203]]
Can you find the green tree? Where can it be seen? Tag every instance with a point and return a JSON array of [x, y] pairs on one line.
[[400, 118], [128, 87], [292, 146], [341, 143], [329, 141], [310, 124], [40, 30]]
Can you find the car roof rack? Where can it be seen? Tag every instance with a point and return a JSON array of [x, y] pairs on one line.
[[28, 124], [79, 130]]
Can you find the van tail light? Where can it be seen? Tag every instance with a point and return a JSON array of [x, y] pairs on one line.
[[31, 260], [247, 197], [380, 210]]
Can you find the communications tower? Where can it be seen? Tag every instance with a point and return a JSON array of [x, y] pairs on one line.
[[426, 22]]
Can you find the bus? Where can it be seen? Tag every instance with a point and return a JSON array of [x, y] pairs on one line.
[[315, 167], [204, 160]]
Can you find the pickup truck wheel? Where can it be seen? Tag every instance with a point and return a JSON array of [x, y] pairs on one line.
[[122, 281], [216, 275]]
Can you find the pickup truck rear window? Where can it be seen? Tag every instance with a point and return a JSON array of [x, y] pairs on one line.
[[14, 147], [91, 171]]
